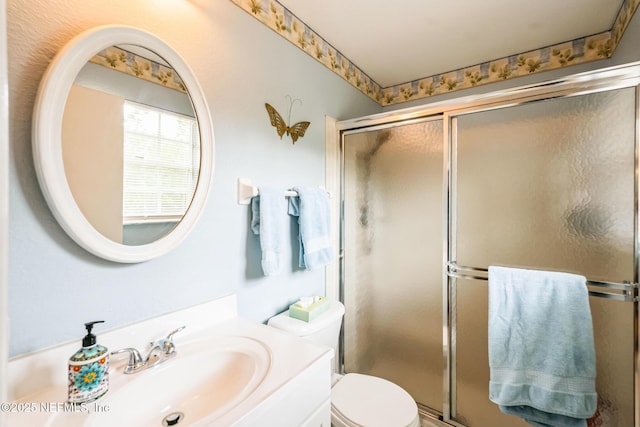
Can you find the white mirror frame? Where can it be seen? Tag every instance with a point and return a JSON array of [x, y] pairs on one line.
[[47, 142]]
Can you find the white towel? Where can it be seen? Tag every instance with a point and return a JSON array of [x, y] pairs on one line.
[[541, 348], [269, 211]]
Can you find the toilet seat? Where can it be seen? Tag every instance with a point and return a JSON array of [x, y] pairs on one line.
[[364, 400]]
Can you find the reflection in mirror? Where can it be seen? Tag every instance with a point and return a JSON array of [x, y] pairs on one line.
[[130, 145]]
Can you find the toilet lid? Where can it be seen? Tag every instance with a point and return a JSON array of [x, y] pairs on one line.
[[373, 402]]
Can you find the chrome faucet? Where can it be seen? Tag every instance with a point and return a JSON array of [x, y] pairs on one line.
[[160, 351], [135, 362]]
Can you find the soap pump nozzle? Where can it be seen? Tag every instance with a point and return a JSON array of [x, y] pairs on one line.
[[90, 339]]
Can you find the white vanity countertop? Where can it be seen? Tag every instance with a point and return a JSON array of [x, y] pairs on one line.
[[290, 356], [34, 372]]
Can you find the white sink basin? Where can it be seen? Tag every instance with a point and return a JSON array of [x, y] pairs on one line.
[[206, 379], [229, 372]]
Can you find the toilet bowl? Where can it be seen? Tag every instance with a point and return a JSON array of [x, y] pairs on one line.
[[357, 400], [364, 400]]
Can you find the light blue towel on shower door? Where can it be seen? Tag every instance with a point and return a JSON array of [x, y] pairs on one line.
[[311, 206], [541, 348], [269, 210]]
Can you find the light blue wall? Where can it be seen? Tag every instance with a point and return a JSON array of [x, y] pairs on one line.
[[54, 285]]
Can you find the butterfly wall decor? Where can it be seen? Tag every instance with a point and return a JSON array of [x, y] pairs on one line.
[[294, 131]]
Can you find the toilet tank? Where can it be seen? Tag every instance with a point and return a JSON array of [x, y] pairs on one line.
[[324, 329]]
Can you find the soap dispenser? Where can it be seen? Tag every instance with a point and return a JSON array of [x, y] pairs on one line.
[[88, 369]]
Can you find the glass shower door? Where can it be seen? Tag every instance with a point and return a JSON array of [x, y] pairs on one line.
[[547, 185], [393, 252]]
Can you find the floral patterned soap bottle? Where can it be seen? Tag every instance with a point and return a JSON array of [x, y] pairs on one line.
[[89, 369]]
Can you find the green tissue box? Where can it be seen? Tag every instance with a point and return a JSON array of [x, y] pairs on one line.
[[310, 312]]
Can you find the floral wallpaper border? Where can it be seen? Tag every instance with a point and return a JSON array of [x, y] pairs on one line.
[[140, 67], [573, 52]]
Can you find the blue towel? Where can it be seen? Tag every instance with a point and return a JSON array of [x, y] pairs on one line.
[[541, 348], [311, 206], [268, 220]]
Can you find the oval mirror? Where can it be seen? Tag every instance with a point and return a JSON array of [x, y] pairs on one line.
[[123, 143]]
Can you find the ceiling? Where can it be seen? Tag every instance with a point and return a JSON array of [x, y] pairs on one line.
[[399, 41]]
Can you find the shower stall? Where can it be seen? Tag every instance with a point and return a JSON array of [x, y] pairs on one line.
[[543, 177]]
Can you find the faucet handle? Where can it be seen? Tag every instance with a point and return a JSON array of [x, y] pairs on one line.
[[166, 345], [135, 361], [175, 331]]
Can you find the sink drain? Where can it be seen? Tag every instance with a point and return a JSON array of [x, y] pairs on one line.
[[172, 419]]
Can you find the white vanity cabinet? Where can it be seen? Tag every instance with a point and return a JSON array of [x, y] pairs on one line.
[[320, 418], [303, 401]]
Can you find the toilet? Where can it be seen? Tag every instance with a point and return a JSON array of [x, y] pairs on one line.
[[356, 400]]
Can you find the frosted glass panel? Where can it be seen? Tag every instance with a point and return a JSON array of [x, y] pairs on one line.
[[547, 185], [393, 181], [473, 407]]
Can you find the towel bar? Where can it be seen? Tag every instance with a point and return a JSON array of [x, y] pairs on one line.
[[246, 191], [628, 290]]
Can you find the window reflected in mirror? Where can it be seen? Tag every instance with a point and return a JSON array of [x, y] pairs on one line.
[[161, 164]]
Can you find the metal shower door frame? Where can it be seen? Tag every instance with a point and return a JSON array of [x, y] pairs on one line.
[[343, 134], [619, 77]]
